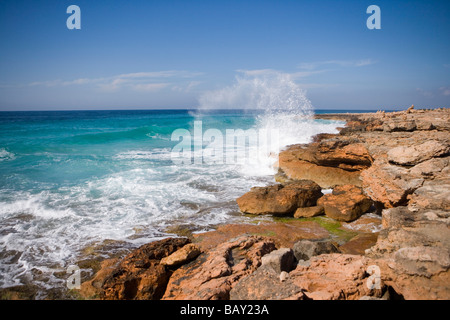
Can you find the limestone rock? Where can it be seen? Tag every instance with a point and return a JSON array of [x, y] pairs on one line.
[[306, 249], [308, 212], [412, 155], [279, 260], [345, 203], [215, 272], [181, 256], [388, 184], [328, 162], [433, 194], [140, 275], [280, 199], [335, 277], [264, 284]]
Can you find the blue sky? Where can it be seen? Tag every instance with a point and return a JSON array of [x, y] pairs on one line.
[[167, 54]]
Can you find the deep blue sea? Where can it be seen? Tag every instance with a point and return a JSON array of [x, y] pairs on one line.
[[70, 180]]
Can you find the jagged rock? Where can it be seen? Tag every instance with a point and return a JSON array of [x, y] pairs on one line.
[[335, 277], [308, 212], [434, 194], [279, 260], [326, 177], [305, 249], [265, 284], [430, 168], [414, 154], [91, 289], [389, 184], [280, 199], [215, 272], [181, 256], [345, 203], [399, 125], [328, 162], [140, 275]]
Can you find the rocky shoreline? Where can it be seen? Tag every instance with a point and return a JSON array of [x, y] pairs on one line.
[[385, 170]]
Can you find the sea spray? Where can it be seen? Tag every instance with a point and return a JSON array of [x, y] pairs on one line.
[[284, 113]]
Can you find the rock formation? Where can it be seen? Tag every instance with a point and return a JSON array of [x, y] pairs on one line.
[[398, 161]]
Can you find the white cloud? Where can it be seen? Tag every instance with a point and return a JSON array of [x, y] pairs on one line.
[[149, 87], [342, 63], [425, 93], [445, 91], [139, 81]]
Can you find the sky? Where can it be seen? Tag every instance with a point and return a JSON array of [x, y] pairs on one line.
[[168, 54]]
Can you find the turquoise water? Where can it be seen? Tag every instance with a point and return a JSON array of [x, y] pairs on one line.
[[69, 180]]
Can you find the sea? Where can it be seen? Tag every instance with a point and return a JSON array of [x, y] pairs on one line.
[[71, 180]]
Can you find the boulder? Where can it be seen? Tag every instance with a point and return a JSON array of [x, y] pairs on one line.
[[265, 284], [140, 275], [215, 272], [328, 162], [181, 256], [308, 212], [388, 184], [305, 249], [399, 125], [433, 194], [417, 153], [279, 260], [326, 177], [345, 203], [336, 277], [280, 199], [359, 244]]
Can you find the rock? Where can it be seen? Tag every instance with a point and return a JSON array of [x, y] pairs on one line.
[[345, 203], [284, 276], [265, 284], [140, 275], [399, 125], [308, 212], [92, 288], [388, 184], [328, 162], [335, 277], [279, 260], [412, 155], [215, 272], [280, 199], [359, 244], [326, 177], [305, 249], [434, 194], [283, 234], [430, 168], [367, 223], [181, 256]]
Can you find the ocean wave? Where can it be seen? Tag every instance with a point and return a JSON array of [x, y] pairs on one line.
[[5, 155]]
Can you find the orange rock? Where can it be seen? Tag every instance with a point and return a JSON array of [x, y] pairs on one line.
[[140, 275], [280, 199], [346, 203], [213, 274]]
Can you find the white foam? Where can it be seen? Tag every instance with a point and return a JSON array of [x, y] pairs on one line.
[[5, 155]]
